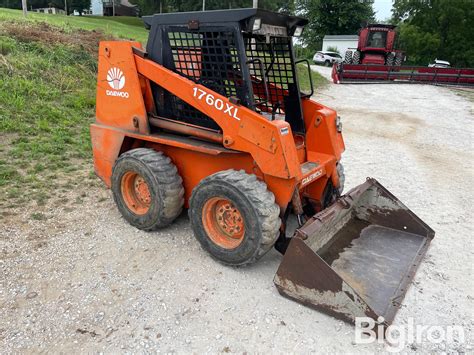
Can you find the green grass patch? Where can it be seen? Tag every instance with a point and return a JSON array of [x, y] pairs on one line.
[[47, 99], [121, 27], [319, 81]]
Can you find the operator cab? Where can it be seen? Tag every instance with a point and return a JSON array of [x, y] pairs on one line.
[[243, 54]]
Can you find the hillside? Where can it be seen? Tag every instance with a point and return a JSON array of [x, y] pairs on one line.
[[120, 27]]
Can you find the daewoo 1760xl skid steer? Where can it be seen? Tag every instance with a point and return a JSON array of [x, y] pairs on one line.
[[210, 118]]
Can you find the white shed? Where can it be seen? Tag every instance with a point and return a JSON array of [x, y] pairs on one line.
[[341, 42]]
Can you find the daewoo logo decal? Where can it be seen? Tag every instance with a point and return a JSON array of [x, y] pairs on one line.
[[115, 78], [116, 81]]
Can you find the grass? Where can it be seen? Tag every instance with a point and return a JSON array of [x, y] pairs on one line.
[[48, 67], [120, 27], [319, 81], [47, 98]]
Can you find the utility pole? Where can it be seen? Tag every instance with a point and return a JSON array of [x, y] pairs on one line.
[[255, 4], [113, 8], [203, 5], [24, 6], [65, 7]]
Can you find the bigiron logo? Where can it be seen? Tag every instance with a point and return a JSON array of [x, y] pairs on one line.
[[116, 81]]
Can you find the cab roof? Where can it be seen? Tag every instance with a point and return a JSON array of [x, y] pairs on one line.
[[222, 16]]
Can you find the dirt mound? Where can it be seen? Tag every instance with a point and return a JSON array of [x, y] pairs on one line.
[[53, 35]]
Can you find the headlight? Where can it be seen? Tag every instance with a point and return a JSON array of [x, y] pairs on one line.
[[298, 31], [257, 24]]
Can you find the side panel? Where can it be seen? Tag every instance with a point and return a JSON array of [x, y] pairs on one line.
[[321, 131], [119, 101], [324, 144], [106, 145], [390, 40]]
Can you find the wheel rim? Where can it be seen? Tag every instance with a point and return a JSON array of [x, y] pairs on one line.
[[136, 193], [223, 223]]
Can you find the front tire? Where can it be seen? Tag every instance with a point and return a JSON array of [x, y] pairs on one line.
[[147, 188], [348, 57], [390, 59], [234, 217], [356, 58]]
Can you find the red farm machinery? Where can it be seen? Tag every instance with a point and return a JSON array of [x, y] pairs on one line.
[[376, 60]]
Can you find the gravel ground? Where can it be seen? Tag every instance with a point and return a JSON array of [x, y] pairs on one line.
[[83, 280]]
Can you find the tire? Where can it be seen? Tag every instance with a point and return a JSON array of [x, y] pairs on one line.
[[390, 58], [327, 63], [234, 217], [356, 58], [348, 57], [398, 59], [147, 189], [342, 177]]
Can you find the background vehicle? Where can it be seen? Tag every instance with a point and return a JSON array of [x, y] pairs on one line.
[[376, 46], [211, 118], [440, 64], [327, 58], [377, 60]]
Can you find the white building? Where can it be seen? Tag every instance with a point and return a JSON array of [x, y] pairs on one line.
[[97, 7], [341, 42]]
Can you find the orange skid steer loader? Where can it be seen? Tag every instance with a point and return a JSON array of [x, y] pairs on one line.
[[210, 117]]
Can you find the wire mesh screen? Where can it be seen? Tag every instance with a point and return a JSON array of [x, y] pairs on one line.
[[274, 53], [208, 57]]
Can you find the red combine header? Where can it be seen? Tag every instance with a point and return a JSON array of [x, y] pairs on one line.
[[375, 59]]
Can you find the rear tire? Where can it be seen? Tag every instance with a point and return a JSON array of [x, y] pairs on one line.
[[389, 60], [356, 57], [147, 188], [348, 57], [327, 63], [234, 217]]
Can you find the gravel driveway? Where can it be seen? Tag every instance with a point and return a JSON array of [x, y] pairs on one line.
[[84, 280]]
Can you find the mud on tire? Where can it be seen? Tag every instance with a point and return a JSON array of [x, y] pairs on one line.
[[163, 191], [251, 201]]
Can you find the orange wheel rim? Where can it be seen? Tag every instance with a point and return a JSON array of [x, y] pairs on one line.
[[136, 193], [223, 222]]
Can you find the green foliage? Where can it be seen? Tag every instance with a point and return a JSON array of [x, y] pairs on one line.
[[333, 17], [431, 29], [148, 7], [333, 49]]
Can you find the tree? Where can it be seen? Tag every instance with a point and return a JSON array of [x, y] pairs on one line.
[[433, 29], [333, 17], [149, 7]]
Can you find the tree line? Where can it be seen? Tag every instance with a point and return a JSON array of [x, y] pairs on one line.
[[427, 29]]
